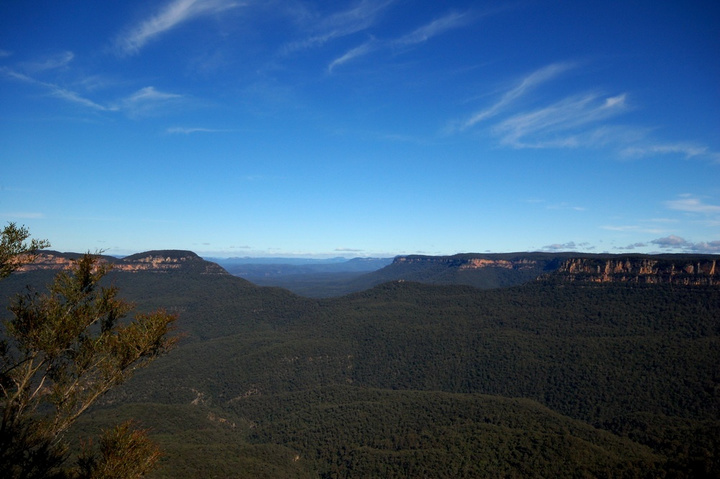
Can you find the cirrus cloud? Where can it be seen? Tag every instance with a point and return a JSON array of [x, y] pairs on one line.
[[692, 204], [173, 14], [572, 121]]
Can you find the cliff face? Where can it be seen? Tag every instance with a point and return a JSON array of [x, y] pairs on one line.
[[151, 261], [649, 270], [462, 262], [506, 269], [478, 263], [482, 271]]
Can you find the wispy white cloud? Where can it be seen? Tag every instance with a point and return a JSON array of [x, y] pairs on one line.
[[569, 246], [578, 120], [687, 150], [143, 101], [692, 204], [419, 35], [150, 94], [555, 206], [355, 19], [536, 78], [147, 100], [631, 247], [187, 131], [55, 90], [565, 206], [74, 97], [346, 22], [24, 215], [562, 124], [356, 52], [348, 250], [60, 60], [170, 16], [436, 27], [5, 53], [634, 229]]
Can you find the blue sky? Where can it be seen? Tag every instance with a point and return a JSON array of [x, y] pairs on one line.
[[361, 128]]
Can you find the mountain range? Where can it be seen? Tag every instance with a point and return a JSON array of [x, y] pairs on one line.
[[338, 276]]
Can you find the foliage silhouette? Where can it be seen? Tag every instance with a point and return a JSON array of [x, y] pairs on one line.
[[60, 352]]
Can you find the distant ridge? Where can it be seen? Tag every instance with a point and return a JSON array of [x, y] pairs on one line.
[[480, 270], [484, 271], [156, 261], [498, 270]]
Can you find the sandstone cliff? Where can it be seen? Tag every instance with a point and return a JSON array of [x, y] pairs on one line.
[[507, 269], [465, 262], [152, 261], [484, 271], [640, 269]]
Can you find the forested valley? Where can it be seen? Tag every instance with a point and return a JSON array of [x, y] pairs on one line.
[[544, 379]]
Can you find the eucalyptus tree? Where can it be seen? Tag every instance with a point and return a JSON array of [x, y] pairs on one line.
[[60, 351]]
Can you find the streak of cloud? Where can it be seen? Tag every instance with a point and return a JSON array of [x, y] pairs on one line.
[[436, 27], [147, 100], [419, 35], [688, 150], [558, 125], [633, 228], [691, 204], [356, 52], [140, 102], [173, 14], [150, 94], [25, 215], [53, 62], [536, 78], [574, 121], [361, 17], [569, 246], [55, 90], [188, 131]]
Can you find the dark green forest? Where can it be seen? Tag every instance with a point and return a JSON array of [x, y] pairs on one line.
[[544, 379]]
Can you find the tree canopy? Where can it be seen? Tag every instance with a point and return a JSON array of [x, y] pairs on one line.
[[60, 351]]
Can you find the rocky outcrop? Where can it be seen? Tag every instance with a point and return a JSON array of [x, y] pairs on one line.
[[152, 261], [640, 269], [468, 262], [52, 260], [478, 263], [507, 269]]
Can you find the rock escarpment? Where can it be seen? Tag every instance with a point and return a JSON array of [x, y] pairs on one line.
[[484, 271], [665, 269], [465, 262], [161, 261], [507, 269]]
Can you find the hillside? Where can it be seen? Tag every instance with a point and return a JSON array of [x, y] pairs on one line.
[[488, 271], [333, 278], [549, 378]]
